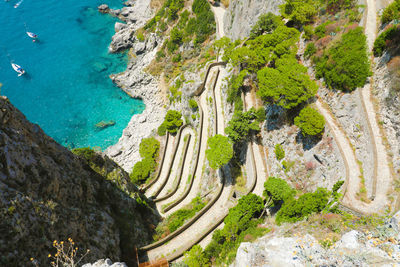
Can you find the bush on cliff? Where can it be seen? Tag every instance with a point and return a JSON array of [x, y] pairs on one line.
[[243, 123], [266, 23], [391, 12], [288, 85], [345, 64], [172, 122], [301, 12], [148, 150], [310, 121], [387, 39], [219, 152]]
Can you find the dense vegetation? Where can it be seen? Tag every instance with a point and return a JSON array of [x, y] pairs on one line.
[[310, 121], [287, 85], [277, 191], [240, 225], [386, 40], [178, 218], [391, 12], [149, 148], [172, 122], [345, 65], [243, 123], [266, 23], [301, 12], [296, 209], [219, 151]]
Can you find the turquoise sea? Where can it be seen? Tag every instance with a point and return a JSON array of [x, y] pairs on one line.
[[66, 89]]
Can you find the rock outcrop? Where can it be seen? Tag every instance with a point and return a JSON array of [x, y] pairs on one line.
[[135, 82], [47, 193], [355, 248], [243, 14]]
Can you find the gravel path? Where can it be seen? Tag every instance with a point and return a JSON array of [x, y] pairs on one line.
[[383, 178]]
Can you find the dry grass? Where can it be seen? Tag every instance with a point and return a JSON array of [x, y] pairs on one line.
[[156, 4], [225, 3]]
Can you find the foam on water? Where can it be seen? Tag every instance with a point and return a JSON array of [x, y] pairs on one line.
[[66, 89]]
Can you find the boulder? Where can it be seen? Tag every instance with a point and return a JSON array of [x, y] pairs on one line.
[[103, 8], [119, 26]]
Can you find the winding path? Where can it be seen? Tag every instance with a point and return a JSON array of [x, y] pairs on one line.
[[383, 177]]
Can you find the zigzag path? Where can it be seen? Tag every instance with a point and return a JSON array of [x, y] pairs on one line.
[[383, 177]]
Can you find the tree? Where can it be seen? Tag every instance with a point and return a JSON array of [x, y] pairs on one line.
[[287, 85], [345, 65], [242, 123], [142, 170], [301, 12], [277, 190], [220, 151], [266, 23], [172, 122], [149, 147], [310, 121], [195, 257], [279, 152]]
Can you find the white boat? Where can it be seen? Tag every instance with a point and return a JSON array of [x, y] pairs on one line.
[[32, 35], [17, 4], [18, 69]]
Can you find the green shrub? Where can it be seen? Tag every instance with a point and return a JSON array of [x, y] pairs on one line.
[[385, 38], [308, 32], [301, 12], [242, 124], [195, 257], [391, 12], [310, 121], [193, 104], [140, 36], [162, 129], [142, 170], [279, 152], [172, 122], [177, 58], [241, 222], [149, 148], [219, 151], [345, 65], [320, 30], [277, 190], [266, 23], [296, 209], [334, 6], [84, 152], [310, 50], [288, 85]]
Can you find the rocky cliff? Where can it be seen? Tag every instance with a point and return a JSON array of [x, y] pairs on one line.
[[241, 15], [47, 193]]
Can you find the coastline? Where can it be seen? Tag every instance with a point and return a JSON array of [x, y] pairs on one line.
[[135, 82]]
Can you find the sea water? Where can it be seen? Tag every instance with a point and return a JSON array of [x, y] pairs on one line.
[[66, 89]]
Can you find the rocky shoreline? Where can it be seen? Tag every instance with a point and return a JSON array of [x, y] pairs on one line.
[[134, 81]]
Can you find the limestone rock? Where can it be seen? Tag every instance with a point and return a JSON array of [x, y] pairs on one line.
[[243, 14], [103, 8], [119, 26]]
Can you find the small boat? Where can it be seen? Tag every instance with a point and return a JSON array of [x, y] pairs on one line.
[[32, 35], [17, 4], [18, 69]]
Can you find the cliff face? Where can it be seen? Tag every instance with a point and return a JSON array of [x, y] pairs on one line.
[[47, 193], [243, 14]]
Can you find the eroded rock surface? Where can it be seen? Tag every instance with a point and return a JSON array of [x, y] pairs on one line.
[[47, 193]]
